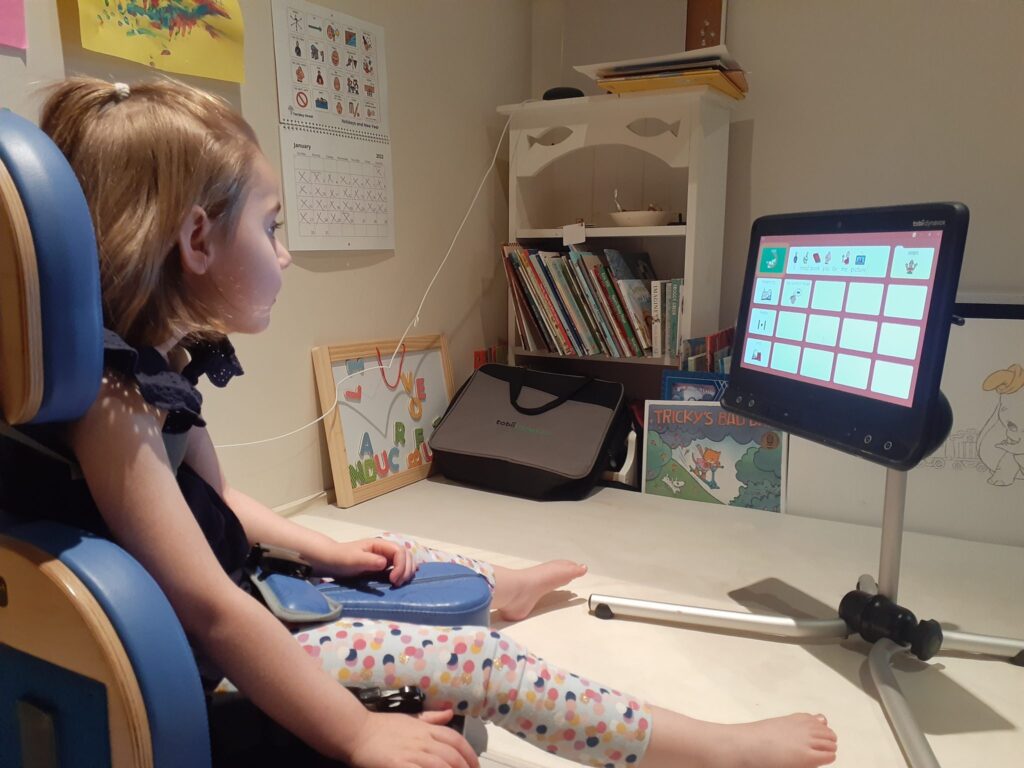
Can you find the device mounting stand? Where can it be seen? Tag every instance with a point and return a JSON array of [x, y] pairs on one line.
[[870, 610]]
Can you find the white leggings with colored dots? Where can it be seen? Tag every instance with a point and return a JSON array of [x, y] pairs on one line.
[[478, 672]]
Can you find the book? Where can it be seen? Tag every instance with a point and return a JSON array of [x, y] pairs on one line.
[[575, 346], [610, 288], [594, 265], [526, 314], [637, 299], [559, 333], [700, 452], [512, 252], [626, 266], [657, 287], [716, 54], [583, 301], [587, 288], [574, 314], [691, 385], [711, 77]]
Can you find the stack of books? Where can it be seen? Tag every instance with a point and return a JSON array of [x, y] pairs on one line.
[[705, 66], [583, 303]]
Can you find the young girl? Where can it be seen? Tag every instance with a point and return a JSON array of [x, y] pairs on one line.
[[185, 208]]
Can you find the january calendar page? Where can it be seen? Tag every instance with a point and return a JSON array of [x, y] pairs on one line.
[[335, 144]]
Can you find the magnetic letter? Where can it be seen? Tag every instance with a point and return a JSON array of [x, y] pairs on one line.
[[421, 389], [355, 474], [414, 459], [415, 409], [366, 449], [407, 381], [399, 433], [393, 459], [382, 464], [420, 439], [369, 470]]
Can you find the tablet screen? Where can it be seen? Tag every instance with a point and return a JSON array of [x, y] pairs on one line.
[[843, 311], [842, 326]]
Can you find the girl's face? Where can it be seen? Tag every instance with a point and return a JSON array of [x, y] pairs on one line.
[[245, 271]]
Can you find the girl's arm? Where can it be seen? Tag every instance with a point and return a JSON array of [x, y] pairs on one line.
[[327, 556], [119, 447]]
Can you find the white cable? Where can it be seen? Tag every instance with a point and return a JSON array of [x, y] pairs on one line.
[[415, 320]]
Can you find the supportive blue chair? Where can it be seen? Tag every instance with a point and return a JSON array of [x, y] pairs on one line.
[[95, 668]]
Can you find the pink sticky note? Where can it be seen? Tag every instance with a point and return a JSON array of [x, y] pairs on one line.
[[12, 24]]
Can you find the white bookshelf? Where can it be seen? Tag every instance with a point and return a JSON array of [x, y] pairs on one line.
[[668, 148]]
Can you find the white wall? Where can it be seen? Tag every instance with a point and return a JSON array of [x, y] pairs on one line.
[[449, 65], [851, 104]]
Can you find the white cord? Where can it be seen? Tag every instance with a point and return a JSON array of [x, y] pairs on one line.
[[415, 320]]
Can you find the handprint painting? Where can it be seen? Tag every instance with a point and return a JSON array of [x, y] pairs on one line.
[[190, 37]]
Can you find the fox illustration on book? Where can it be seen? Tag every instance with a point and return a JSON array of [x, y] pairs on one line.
[[705, 461], [1000, 443]]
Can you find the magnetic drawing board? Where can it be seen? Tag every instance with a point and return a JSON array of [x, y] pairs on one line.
[[378, 436]]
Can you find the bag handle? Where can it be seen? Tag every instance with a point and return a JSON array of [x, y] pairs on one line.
[[515, 388]]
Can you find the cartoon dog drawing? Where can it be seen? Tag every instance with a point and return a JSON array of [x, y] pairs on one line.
[[1000, 446], [674, 485]]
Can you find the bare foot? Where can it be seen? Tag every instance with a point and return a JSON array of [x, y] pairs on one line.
[[517, 590], [794, 741]]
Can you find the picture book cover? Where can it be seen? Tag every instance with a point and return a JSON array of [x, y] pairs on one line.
[[693, 385], [700, 452]]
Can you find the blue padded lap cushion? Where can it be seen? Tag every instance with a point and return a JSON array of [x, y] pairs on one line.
[[441, 594], [69, 282]]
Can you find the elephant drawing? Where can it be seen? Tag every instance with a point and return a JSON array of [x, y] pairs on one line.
[[1000, 446]]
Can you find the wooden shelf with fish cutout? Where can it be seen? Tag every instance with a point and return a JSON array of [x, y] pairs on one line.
[[665, 149]]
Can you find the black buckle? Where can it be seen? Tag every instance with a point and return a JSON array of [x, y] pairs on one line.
[[270, 559], [408, 699]]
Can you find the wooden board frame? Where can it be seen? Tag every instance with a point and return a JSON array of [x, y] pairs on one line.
[[325, 358]]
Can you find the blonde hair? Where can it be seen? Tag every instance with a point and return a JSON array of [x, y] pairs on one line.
[[145, 154]]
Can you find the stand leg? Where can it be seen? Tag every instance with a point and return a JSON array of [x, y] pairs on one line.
[[908, 733], [609, 607]]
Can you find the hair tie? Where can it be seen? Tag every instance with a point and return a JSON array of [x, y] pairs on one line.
[[122, 91]]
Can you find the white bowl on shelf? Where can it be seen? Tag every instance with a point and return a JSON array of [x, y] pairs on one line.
[[640, 218]]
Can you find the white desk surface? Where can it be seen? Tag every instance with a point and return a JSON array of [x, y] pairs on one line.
[[653, 548]]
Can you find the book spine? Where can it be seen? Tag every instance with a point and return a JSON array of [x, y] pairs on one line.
[[672, 336], [536, 313], [656, 332], [613, 318], [635, 313], [572, 278], [553, 263], [575, 345], [616, 301], [680, 321], [526, 332], [564, 345], [588, 291], [548, 334]]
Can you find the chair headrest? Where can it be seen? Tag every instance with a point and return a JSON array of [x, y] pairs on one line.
[[51, 319]]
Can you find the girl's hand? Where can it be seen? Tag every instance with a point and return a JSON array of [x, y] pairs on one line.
[[353, 558], [389, 740]]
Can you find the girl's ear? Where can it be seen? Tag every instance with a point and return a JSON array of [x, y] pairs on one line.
[[194, 242]]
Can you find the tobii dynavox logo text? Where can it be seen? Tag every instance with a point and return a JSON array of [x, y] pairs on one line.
[[930, 223], [522, 427]]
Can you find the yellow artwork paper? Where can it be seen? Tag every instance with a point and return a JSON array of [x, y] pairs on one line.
[[190, 37]]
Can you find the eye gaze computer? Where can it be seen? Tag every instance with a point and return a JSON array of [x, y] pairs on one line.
[[843, 325], [840, 339]]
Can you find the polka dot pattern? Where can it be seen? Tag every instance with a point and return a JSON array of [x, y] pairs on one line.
[[422, 554], [482, 673]]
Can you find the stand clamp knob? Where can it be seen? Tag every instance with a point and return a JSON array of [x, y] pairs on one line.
[[876, 616]]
